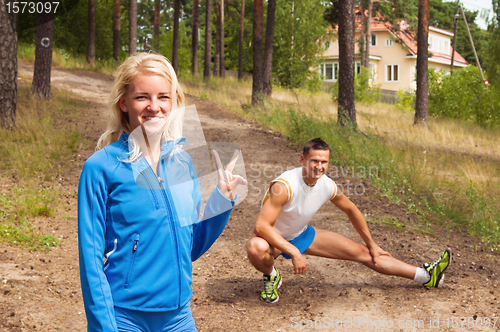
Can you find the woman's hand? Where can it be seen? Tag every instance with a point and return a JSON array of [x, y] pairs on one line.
[[228, 182]]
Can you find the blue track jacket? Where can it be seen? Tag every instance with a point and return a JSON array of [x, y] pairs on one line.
[[147, 228]]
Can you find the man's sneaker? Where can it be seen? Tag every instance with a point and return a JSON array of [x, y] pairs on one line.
[[436, 269], [271, 285]]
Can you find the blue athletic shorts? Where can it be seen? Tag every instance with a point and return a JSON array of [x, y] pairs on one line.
[[180, 320], [303, 241]]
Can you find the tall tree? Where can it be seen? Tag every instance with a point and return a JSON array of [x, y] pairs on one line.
[[8, 66], [156, 29], [208, 40], [295, 48], [117, 18], [175, 48], [346, 108], [422, 96], [132, 27], [368, 35], [217, 41], [268, 51], [221, 41], [194, 35], [43, 55], [258, 13], [91, 33], [242, 32]]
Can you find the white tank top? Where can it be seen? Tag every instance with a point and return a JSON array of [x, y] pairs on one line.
[[303, 202]]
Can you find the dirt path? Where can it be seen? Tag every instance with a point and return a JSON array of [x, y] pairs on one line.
[[41, 291]]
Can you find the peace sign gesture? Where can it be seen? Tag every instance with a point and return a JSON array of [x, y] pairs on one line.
[[227, 181]]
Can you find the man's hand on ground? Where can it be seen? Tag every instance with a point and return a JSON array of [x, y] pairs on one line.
[[376, 251], [299, 264]]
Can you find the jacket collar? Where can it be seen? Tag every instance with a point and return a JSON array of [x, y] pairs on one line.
[[166, 146]]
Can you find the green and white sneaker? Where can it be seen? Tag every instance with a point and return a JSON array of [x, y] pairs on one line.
[[436, 269], [271, 284]]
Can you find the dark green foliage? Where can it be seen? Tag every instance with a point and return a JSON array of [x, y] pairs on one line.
[[463, 96], [306, 25]]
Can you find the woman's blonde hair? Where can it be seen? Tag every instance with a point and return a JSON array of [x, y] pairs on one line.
[[142, 63]]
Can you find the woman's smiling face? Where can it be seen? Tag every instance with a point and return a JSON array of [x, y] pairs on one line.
[[148, 98]]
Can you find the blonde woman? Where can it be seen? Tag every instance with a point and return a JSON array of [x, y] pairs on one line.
[[139, 232]]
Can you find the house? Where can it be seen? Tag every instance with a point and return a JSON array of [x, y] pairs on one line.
[[393, 55]]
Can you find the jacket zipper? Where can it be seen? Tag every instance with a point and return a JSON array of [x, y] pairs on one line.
[[151, 190], [172, 226], [134, 249]]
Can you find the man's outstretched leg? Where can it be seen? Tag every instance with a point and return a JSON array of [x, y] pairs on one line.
[[332, 245]]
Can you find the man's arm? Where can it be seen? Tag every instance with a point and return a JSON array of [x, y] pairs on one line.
[[358, 221], [278, 197]]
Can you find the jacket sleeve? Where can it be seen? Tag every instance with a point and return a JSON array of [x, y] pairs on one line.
[[214, 220], [92, 199]]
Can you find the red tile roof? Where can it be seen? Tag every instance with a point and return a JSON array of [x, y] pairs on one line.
[[407, 38]]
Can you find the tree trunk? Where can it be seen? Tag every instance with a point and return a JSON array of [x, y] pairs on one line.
[[268, 51], [117, 17], [91, 34], [156, 29], [43, 56], [368, 36], [8, 66], [175, 48], [346, 110], [217, 42], [258, 13], [422, 97], [194, 68], [242, 33], [208, 41], [132, 27], [221, 36]]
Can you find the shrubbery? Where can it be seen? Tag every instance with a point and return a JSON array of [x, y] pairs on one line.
[[364, 91], [462, 95]]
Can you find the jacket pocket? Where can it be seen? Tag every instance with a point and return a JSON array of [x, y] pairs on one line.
[[135, 245]]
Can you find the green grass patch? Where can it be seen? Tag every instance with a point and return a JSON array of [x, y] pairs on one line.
[[18, 207], [38, 149], [45, 137], [61, 58]]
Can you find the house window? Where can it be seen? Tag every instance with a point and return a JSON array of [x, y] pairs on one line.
[[374, 39], [392, 73], [329, 71], [389, 42], [357, 68]]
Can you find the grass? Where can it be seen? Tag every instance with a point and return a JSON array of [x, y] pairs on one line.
[[60, 58], [18, 207], [447, 173], [38, 150], [42, 144]]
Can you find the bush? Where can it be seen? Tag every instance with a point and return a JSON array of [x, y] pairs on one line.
[[364, 91], [463, 96]]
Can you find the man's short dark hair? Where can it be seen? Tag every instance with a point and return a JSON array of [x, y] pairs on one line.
[[315, 144]]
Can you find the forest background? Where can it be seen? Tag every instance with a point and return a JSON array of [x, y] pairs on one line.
[[465, 195]]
